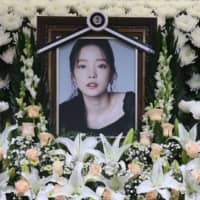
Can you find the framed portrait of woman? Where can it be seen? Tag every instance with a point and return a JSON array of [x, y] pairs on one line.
[[104, 71]]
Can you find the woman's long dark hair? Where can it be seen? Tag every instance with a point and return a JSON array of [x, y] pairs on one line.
[[105, 46]]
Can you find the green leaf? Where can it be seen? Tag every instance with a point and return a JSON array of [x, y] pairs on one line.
[[129, 137], [176, 122]]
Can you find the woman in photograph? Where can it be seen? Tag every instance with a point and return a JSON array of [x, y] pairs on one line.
[[95, 108]]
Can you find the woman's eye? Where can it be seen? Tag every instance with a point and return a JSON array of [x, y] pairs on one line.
[[102, 66], [81, 66]]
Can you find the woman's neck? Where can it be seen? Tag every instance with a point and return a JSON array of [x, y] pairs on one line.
[[97, 105]]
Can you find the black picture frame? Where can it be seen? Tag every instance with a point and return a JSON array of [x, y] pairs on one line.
[[52, 28]]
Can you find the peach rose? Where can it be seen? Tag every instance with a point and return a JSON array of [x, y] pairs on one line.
[[151, 195], [94, 170], [22, 186], [32, 154], [45, 138], [58, 168], [167, 129], [175, 194], [196, 175], [192, 149], [1, 153], [145, 138], [33, 111], [155, 151], [27, 129], [56, 188], [107, 195], [135, 168], [155, 114]]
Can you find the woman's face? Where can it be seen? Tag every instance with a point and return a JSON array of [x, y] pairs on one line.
[[92, 72]]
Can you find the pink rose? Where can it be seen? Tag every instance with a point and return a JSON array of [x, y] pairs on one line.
[[22, 186], [135, 168], [155, 151], [192, 149], [33, 111], [155, 114], [58, 168], [32, 154], [45, 138], [94, 170], [151, 195], [196, 175], [145, 138], [27, 129], [167, 129], [1, 153]]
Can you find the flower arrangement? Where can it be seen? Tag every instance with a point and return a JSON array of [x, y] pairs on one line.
[[159, 162]]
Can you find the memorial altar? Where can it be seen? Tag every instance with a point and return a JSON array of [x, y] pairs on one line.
[[160, 159]]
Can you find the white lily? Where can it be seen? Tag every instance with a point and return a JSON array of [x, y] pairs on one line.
[[159, 181], [38, 185], [4, 188], [75, 188], [4, 142], [191, 187], [113, 152], [185, 136], [79, 148]]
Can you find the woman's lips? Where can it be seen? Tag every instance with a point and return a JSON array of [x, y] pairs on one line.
[[92, 85]]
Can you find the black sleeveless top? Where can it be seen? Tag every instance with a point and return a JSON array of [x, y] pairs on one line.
[[72, 118]]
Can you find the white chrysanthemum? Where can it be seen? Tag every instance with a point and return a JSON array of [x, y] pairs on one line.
[[8, 55], [56, 9], [5, 37], [185, 22], [3, 106], [195, 110], [181, 39], [38, 4], [167, 11], [190, 107], [140, 11], [3, 10], [11, 21], [161, 21], [25, 9], [115, 11], [194, 82], [187, 55], [194, 36], [184, 106], [194, 10]]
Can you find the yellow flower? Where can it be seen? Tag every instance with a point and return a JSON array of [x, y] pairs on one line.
[[167, 129], [33, 111]]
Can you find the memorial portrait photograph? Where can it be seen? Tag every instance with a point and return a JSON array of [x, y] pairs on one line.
[[96, 86]]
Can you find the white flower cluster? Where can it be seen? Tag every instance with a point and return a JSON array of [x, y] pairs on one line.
[[31, 79]]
